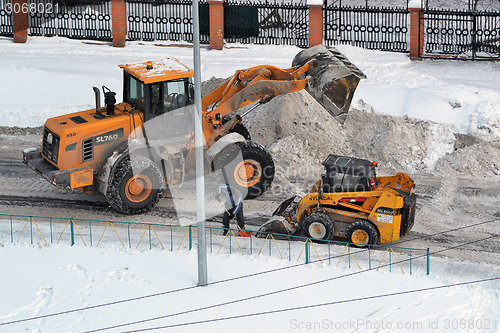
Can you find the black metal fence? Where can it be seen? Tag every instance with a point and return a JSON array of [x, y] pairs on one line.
[[85, 21], [151, 20], [266, 23], [384, 29], [244, 22], [6, 18], [461, 34], [447, 33]]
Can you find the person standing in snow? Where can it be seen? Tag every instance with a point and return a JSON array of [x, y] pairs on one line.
[[232, 200]]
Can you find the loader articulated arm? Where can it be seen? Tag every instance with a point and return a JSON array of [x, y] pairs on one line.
[[325, 73], [250, 85]]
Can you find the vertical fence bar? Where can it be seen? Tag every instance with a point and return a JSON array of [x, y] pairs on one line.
[[90, 232], [50, 226], [211, 241], [149, 232], [128, 232], [428, 263], [71, 227], [329, 255], [349, 254], [31, 229], [369, 257], [390, 262], [190, 238], [308, 259], [11, 231], [410, 261], [171, 239], [289, 249]]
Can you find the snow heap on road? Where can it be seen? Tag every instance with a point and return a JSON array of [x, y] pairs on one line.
[[300, 134]]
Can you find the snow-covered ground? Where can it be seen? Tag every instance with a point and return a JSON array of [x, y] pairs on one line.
[[39, 281], [47, 77]]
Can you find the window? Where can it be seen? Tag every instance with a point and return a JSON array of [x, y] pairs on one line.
[[135, 92], [177, 94]]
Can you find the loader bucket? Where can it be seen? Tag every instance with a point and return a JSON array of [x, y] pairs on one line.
[[332, 78], [278, 223]]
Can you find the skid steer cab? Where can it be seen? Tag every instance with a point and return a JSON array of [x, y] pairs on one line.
[[131, 151], [351, 202]]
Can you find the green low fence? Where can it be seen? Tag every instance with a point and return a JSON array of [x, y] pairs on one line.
[[141, 235]]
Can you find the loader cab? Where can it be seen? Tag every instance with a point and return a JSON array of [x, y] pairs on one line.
[[348, 174], [158, 87], [156, 99]]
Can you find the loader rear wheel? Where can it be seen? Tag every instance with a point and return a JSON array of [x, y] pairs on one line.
[[242, 130], [318, 226], [252, 172], [361, 233], [136, 186]]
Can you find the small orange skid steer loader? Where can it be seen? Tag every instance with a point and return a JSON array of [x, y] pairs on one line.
[[351, 202]]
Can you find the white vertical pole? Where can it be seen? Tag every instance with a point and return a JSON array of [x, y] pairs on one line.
[[200, 173]]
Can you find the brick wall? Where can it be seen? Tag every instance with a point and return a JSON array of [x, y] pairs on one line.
[[119, 22], [416, 33], [216, 24], [315, 25], [20, 22]]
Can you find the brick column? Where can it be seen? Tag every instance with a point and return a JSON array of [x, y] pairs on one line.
[[119, 22], [315, 25], [216, 22], [20, 22], [416, 33]]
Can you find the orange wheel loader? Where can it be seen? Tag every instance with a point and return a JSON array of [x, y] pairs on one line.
[[131, 151]]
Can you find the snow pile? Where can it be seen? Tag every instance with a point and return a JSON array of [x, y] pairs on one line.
[[480, 160], [300, 134], [463, 95], [398, 143]]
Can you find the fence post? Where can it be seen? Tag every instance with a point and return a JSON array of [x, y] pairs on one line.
[[315, 22], [308, 256], [72, 232], [416, 30], [190, 238], [20, 20], [428, 263], [119, 22], [216, 23]]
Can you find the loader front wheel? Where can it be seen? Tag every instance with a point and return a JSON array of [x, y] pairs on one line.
[[248, 166], [318, 226], [136, 186], [361, 233]]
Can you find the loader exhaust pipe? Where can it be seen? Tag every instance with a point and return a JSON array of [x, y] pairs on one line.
[[332, 78], [109, 100], [98, 110]]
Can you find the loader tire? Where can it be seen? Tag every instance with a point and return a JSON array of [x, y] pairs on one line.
[[318, 226], [242, 130], [252, 173], [361, 233], [135, 194]]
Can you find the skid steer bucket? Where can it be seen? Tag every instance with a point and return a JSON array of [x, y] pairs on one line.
[[332, 78], [278, 223]]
